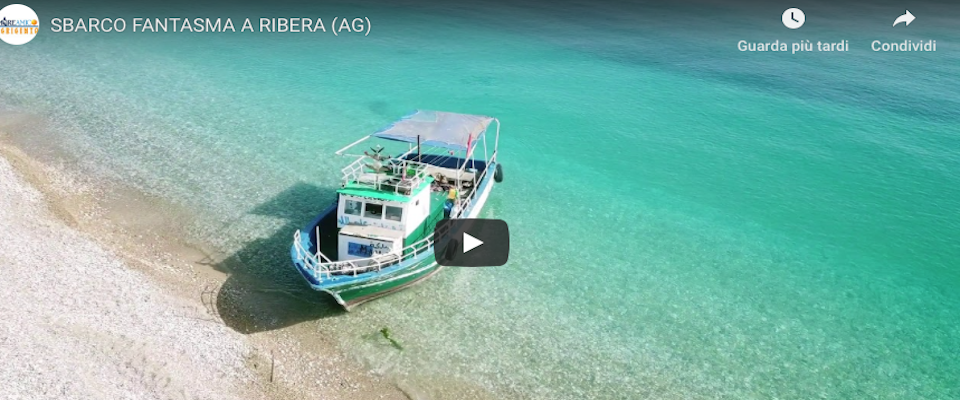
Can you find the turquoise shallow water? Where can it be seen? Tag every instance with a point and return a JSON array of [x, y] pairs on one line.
[[689, 221]]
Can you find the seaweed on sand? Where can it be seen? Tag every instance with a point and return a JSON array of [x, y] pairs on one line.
[[386, 335]]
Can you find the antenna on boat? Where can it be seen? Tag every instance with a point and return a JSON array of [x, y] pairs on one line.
[[418, 149]]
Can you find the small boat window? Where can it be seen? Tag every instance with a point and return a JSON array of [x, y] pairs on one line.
[[394, 213], [352, 207], [374, 211]]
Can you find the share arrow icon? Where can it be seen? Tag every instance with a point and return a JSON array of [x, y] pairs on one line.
[[907, 18]]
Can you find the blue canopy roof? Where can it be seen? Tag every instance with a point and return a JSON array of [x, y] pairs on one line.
[[437, 128]]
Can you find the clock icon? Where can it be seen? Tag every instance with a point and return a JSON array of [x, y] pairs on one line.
[[793, 18]]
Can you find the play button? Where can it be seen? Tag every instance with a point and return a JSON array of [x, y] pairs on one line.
[[471, 242]]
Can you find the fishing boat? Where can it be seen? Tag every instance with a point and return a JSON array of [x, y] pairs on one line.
[[378, 235]]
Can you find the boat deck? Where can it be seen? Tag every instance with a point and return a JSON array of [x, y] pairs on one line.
[[328, 236]]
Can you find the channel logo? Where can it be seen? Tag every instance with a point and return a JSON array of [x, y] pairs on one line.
[[18, 24]]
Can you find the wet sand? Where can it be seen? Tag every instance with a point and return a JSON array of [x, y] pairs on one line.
[[103, 299]]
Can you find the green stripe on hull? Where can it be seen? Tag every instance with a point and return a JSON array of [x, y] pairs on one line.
[[353, 294]]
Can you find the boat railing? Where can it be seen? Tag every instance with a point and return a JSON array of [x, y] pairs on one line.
[[324, 269], [464, 204], [401, 177]]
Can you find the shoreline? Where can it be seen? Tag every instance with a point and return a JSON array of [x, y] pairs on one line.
[[138, 232]]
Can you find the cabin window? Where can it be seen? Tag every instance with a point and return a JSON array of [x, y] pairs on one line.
[[352, 207], [394, 213], [374, 211]]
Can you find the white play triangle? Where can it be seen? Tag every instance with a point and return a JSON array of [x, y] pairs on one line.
[[470, 242]]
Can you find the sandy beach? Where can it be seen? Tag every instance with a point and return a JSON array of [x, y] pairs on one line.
[[79, 324], [80, 320]]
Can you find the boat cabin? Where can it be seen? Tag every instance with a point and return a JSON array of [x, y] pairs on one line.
[[373, 221]]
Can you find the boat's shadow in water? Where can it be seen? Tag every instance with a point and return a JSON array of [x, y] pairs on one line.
[[263, 291]]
